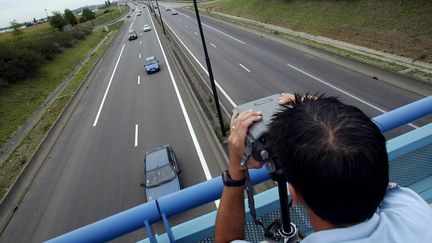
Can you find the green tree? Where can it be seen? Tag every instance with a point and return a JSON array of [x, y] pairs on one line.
[[17, 31], [88, 14], [57, 21], [70, 17], [82, 19]]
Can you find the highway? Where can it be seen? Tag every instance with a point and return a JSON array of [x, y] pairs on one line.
[[96, 166], [248, 66]]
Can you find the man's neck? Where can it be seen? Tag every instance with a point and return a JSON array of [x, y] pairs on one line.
[[318, 224]]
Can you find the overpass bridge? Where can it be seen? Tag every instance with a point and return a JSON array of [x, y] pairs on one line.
[[410, 157]]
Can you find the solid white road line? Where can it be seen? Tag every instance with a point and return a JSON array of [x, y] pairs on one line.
[[185, 114], [107, 89], [244, 67], [136, 135], [139, 79], [139, 56], [140, 42], [203, 68], [343, 91], [130, 27], [213, 45]]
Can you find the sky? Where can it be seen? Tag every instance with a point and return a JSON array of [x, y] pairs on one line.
[[26, 10]]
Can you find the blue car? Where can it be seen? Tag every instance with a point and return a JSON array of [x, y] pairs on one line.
[[151, 65], [161, 173]]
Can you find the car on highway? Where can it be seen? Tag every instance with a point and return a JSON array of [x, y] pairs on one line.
[[151, 65], [132, 35], [174, 12], [161, 172], [167, 9], [138, 14], [146, 28]]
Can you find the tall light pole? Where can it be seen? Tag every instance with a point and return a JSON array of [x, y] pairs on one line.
[[160, 15], [209, 68], [47, 14]]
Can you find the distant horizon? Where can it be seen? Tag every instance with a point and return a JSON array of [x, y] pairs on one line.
[[25, 10]]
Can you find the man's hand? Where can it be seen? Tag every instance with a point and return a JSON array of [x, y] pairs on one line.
[[240, 124], [286, 97]]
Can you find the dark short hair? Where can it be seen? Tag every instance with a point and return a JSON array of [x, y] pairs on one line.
[[333, 155]]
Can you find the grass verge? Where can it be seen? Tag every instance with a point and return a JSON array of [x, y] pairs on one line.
[[19, 100], [102, 18], [12, 167], [30, 32]]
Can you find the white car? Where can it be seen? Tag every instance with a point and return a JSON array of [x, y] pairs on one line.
[[146, 28], [174, 12]]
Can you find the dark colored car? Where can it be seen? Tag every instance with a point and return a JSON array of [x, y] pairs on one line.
[[132, 35], [151, 65], [161, 172]]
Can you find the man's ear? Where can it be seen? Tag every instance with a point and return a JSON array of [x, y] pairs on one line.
[[294, 195]]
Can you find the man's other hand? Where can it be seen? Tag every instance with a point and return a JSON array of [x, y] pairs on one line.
[[240, 124]]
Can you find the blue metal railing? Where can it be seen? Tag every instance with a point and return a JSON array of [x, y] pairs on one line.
[[403, 115], [148, 213]]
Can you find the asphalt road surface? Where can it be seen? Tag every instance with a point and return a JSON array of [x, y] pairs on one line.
[[247, 66], [96, 166]]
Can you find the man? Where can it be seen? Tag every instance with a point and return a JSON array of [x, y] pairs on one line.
[[335, 161]]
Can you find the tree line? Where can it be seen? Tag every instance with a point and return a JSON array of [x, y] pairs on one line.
[[57, 20], [22, 57]]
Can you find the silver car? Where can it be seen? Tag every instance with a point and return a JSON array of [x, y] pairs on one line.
[[146, 28], [161, 172]]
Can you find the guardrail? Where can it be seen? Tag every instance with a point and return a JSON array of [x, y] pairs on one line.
[[148, 213]]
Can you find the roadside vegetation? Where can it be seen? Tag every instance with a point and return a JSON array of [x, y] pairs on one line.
[[107, 15], [393, 26], [35, 63], [47, 79]]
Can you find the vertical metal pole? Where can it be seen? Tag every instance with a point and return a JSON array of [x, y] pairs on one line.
[[47, 14], [160, 15], [209, 68]]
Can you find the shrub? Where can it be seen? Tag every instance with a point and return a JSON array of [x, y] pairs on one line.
[[46, 47], [79, 35], [82, 19], [64, 39], [17, 63]]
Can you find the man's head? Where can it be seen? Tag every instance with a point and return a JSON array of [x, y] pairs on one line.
[[333, 155]]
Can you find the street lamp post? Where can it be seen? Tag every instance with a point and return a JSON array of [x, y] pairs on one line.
[[160, 15], [47, 14], [209, 68]]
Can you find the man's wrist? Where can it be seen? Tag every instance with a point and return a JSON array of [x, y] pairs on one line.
[[236, 172]]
